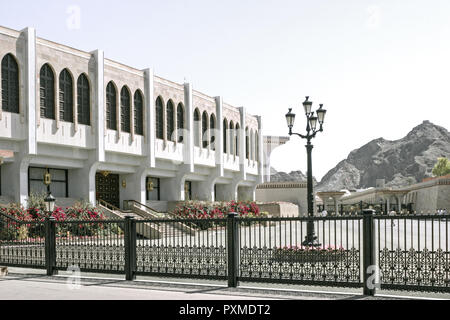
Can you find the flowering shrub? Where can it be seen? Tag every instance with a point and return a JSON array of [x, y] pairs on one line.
[[16, 229], [215, 210]]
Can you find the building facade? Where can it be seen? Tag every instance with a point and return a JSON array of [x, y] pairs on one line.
[[104, 130]]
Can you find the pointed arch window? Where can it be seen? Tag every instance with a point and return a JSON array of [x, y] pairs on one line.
[[225, 128], [159, 119], [10, 84], [65, 96], [83, 100], [138, 113], [125, 110], [180, 122], [170, 121], [212, 131], [237, 140], [232, 140], [197, 128], [247, 144], [111, 105], [47, 92], [205, 129]]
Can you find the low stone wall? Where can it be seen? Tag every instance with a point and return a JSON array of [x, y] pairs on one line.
[[280, 209]]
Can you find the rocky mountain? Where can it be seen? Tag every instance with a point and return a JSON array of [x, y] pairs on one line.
[[400, 162], [294, 176]]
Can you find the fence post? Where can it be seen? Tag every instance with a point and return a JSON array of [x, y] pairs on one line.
[[233, 249], [50, 245], [130, 248], [368, 251]]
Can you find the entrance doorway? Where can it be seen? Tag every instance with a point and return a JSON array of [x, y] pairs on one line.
[[107, 188]]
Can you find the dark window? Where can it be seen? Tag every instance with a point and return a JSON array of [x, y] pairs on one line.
[[65, 96], [170, 120], [159, 119], [180, 122], [236, 144], [83, 100], [225, 128], [111, 119], [47, 92], [212, 131], [197, 128], [10, 84], [247, 144], [232, 140], [138, 113], [204, 129], [58, 185], [256, 146], [125, 110], [153, 194]]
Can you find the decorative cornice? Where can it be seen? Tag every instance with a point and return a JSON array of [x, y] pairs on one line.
[[282, 185]]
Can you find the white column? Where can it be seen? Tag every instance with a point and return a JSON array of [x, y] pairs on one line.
[[98, 106], [260, 155], [30, 77], [149, 117]]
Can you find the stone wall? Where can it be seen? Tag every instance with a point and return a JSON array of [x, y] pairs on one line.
[[280, 209]]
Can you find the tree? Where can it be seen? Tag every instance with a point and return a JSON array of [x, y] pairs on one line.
[[442, 167]]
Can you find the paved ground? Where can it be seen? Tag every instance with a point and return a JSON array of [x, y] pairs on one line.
[[35, 285]]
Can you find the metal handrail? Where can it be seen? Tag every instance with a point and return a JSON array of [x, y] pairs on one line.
[[145, 206], [107, 205]]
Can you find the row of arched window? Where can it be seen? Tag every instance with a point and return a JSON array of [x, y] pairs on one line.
[[204, 125], [66, 90], [125, 109]]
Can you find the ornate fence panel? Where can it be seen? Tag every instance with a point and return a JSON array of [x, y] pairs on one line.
[[271, 250], [413, 252], [22, 244], [194, 248], [91, 246]]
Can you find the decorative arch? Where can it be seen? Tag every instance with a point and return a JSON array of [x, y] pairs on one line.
[[138, 113], [47, 92], [83, 100], [159, 118], [111, 106], [10, 84], [66, 96], [170, 120]]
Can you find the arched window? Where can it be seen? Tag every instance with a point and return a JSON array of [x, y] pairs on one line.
[[83, 100], [232, 140], [138, 113], [237, 139], [65, 96], [170, 121], [111, 105], [47, 92], [225, 128], [125, 110], [212, 131], [197, 128], [159, 119], [256, 146], [247, 144], [10, 84], [180, 122], [205, 129]]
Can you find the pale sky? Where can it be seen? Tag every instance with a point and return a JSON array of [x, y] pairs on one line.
[[379, 67]]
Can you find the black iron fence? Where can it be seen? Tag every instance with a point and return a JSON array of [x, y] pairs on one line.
[[407, 252]]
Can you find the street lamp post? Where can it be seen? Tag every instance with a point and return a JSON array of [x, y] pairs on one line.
[[311, 131]]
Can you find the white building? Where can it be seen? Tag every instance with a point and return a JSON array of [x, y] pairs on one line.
[[104, 130]]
